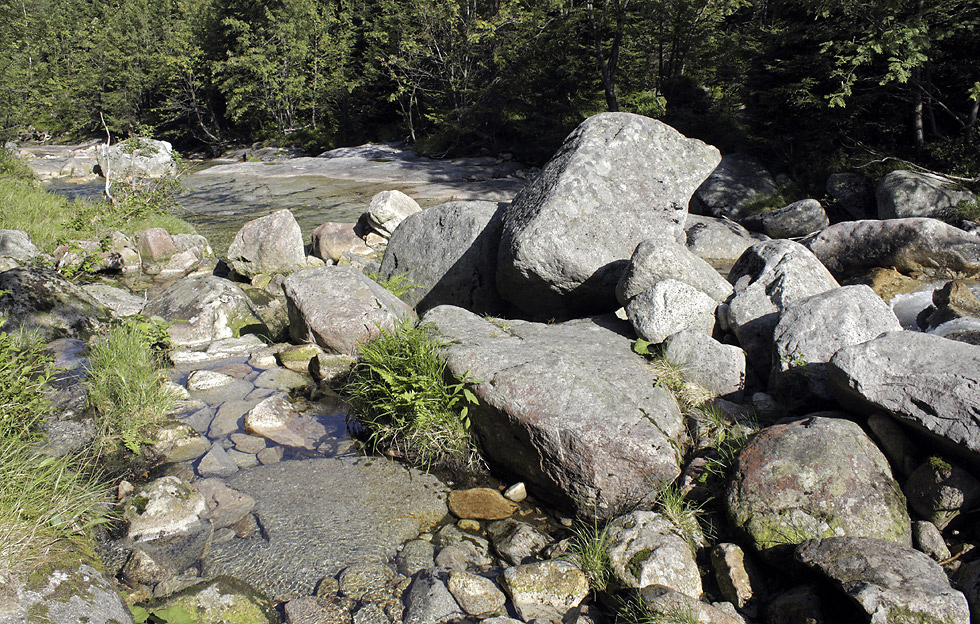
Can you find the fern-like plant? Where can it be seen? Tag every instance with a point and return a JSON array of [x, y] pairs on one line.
[[402, 395]]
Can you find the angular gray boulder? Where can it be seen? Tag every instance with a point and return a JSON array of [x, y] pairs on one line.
[[269, 244], [924, 381], [670, 306], [902, 194], [731, 188], [767, 278], [811, 331], [889, 581], [719, 242], [717, 367], [646, 548], [552, 415], [17, 244], [657, 259], [37, 299], [450, 253], [617, 180], [338, 307], [388, 209], [797, 219], [204, 309], [820, 476], [921, 246]]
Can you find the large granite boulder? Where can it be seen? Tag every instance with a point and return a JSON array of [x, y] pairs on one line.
[[733, 186], [657, 259], [925, 381], [204, 309], [338, 307], [719, 242], [920, 246], [450, 253], [269, 244], [889, 581], [552, 415], [902, 194], [37, 299], [797, 219], [820, 476], [617, 180], [135, 159], [769, 277], [811, 331]]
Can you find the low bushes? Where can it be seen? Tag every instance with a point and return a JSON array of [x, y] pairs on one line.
[[400, 394]]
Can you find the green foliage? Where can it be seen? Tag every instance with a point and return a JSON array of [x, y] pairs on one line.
[[689, 518], [171, 615], [590, 549], [44, 501], [400, 392], [126, 386], [634, 610], [24, 370], [399, 284], [720, 440], [13, 167]]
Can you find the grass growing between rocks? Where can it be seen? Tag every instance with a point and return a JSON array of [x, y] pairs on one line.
[[50, 219], [45, 502], [635, 611], [401, 394], [590, 550], [126, 387]]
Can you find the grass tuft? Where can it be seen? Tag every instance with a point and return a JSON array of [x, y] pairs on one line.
[[635, 611], [590, 548], [400, 393], [688, 517], [126, 388], [24, 370]]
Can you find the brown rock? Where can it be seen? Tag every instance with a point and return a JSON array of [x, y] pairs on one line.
[[886, 282], [480, 504], [331, 240], [155, 244]]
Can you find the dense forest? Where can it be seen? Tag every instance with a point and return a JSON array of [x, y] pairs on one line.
[[809, 84]]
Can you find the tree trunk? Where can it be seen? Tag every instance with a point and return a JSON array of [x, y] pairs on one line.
[[918, 130]]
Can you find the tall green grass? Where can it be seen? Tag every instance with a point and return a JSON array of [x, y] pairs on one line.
[[126, 388], [400, 393], [50, 219], [45, 502]]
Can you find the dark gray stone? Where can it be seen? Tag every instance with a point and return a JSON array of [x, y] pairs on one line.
[[428, 600], [920, 246], [797, 219], [891, 582], [552, 415], [450, 253], [617, 180], [939, 491], [731, 188], [902, 194], [36, 299]]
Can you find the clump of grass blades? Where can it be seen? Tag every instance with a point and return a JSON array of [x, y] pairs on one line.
[[720, 437], [44, 501], [44, 504], [635, 611], [689, 518], [24, 370], [671, 376], [400, 393], [399, 284], [126, 388], [590, 548]]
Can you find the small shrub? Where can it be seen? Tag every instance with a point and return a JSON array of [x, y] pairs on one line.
[[126, 387], [590, 548], [399, 284], [635, 611], [13, 167], [400, 393]]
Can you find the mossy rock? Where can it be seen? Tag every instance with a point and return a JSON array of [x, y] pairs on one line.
[[221, 600]]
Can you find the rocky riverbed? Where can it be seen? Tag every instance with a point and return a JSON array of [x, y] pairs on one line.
[[631, 344]]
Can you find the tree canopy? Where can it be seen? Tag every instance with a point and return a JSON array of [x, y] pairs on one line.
[[816, 84]]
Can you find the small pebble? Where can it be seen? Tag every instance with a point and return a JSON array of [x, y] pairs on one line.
[[468, 525], [516, 492]]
